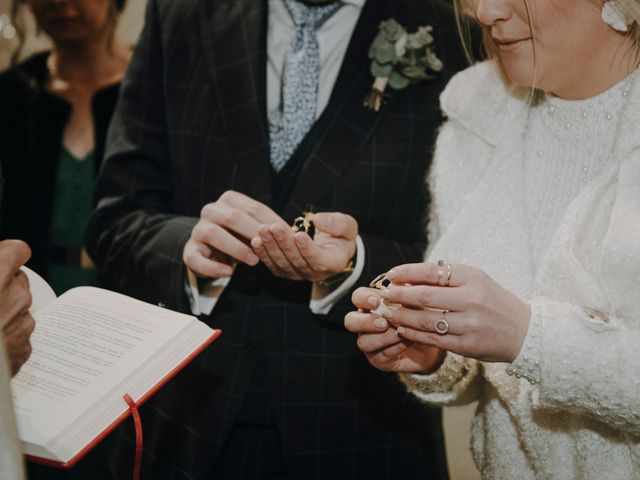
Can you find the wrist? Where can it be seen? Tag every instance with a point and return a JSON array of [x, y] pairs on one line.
[[436, 358], [340, 276], [523, 317]]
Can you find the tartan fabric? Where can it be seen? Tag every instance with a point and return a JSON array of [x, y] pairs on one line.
[[191, 123]]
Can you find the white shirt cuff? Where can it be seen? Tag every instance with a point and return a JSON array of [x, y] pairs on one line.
[[204, 296], [323, 298]]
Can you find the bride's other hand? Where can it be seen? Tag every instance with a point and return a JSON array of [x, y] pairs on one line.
[[378, 339], [476, 316]]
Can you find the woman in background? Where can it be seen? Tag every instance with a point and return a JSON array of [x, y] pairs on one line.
[[529, 302], [56, 107]]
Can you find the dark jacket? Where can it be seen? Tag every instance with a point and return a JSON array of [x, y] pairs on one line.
[[32, 123], [191, 123]]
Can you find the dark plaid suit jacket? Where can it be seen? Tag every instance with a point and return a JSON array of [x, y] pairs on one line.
[[191, 124]]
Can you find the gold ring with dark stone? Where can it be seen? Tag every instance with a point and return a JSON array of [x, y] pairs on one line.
[[380, 282], [304, 224]]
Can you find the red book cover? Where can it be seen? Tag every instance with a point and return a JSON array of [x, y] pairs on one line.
[[127, 412]]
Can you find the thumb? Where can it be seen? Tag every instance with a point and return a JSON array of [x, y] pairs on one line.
[[336, 224]]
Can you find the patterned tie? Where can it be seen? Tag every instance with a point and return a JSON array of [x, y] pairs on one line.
[[297, 111]]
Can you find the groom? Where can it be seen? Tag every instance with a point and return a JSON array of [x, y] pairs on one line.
[[235, 117]]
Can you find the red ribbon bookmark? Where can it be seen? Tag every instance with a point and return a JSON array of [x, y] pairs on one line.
[[138, 427]]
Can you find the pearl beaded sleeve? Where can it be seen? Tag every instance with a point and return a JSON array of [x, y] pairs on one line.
[[527, 364], [456, 382]]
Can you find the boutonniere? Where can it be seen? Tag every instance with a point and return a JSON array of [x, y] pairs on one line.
[[400, 59]]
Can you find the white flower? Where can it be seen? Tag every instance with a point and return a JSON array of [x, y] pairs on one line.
[[613, 15]]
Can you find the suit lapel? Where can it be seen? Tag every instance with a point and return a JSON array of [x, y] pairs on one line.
[[234, 35], [345, 125]]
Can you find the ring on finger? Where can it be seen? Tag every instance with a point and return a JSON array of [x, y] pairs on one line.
[[442, 278], [442, 326]]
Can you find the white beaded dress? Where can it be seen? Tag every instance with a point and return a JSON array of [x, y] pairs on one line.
[[546, 199]]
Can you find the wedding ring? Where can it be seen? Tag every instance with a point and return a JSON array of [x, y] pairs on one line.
[[304, 224], [441, 274], [442, 326], [380, 282], [447, 281]]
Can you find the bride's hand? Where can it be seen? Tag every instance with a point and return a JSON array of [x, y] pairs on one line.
[[379, 342], [476, 317]]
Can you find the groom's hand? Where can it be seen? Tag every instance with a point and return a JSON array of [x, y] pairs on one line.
[[297, 257], [223, 233]]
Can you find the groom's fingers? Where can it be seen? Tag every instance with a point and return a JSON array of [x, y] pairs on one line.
[[221, 240], [320, 260], [284, 239], [267, 249], [259, 211], [232, 219], [336, 224], [197, 258]]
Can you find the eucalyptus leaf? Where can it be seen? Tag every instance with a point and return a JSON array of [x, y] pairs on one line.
[[379, 70], [433, 61], [397, 81], [385, 53], [414, 73], [392, 29], [414, 42]]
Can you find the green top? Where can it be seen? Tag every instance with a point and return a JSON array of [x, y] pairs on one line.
[[71, 211]]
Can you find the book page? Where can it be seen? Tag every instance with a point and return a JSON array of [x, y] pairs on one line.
[[41, 293], [84, 344]]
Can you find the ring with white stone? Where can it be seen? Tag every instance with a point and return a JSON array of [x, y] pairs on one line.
[[442, 326]]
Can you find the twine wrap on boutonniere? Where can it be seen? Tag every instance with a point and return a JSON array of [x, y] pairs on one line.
[[400, 59]]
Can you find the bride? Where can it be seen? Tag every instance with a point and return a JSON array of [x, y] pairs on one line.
[[529, 301]]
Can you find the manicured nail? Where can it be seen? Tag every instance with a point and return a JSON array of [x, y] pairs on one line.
[[401, 331], [391, 275], [387, 313], [252, 259], [386, 293], [381, 323], [373, 301]]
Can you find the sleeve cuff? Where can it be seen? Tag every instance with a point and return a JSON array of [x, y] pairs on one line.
[[203, 295], [528, 363], [323, 298], [456, 382]]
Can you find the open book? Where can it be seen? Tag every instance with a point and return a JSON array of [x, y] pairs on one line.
[[90, 348]]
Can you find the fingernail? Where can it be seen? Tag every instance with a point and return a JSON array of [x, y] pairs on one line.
[[373, 301], [386, 292], [391, 275], [401, 331], [252, 259], [381, 323], [387, 313]]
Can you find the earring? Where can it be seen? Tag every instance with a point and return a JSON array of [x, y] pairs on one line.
[[613, 15]]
